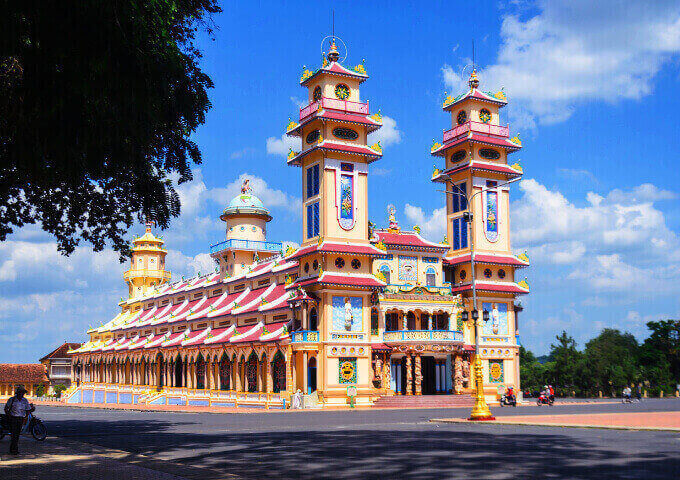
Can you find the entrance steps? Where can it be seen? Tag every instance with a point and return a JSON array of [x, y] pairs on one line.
[[424, 401]]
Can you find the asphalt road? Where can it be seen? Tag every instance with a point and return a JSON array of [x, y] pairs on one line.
[[367, 444]]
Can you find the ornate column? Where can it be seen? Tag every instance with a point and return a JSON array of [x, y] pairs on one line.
[[419, 377], [290, 388], [408, 390], [268, 375], [304, 373], [458, 375], [237, 374]]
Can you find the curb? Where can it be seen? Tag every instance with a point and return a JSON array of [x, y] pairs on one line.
[[557, 425]]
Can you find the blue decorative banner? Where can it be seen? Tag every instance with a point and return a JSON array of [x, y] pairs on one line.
[[491, 212], [346, 201]]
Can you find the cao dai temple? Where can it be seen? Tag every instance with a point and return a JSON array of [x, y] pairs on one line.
[[376, 313]]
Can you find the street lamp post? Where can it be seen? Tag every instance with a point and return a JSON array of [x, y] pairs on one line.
[[480, 411]]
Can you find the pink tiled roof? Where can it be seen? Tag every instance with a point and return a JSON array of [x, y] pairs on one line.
[[410, 240], [508, 287], [336, 247], [358, 280], [478, 95], [332, 146], [486, 258], [335, 68], [477, 138]]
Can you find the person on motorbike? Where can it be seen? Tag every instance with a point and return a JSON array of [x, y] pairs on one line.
[[627, 394], [551, 392], [16, 409], [510, 394]]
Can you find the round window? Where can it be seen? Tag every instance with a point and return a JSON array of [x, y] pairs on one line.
[[243, 228], [462, 117], [501, 273], [317, 94], [345, 133], [254, 229], [463, 274], [342, 91], [315, 265], [306, 267], [356, 264], [487, 272], [458, 156], [339, 262], [489, 153], [312, 136], [485, 115]]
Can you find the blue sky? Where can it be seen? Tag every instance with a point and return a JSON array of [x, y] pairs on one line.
[[592, 89]]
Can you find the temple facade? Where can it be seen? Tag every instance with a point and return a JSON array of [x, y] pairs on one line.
[[356, 313]]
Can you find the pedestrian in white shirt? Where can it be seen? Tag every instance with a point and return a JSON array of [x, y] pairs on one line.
[[16, 409]]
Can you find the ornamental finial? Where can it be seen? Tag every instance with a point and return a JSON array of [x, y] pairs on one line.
[[474, 81], [333, 54]]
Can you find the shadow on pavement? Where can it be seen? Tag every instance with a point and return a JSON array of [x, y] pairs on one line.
[[416, 453]]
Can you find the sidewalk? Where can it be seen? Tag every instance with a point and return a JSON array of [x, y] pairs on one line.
[[661, 421], [65, 458]]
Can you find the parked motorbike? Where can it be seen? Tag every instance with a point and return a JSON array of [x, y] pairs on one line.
[[509, 400], [32, 425], [544, 400]]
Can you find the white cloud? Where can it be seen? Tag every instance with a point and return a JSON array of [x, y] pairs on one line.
[[271, 198], [387, 135], [618, 242], [575, 51], [281, 146], [433, 226]]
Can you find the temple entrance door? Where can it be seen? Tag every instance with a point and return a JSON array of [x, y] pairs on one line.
[[178, 372], [200, 373], [402, 370], [311, 375], [428, 371]]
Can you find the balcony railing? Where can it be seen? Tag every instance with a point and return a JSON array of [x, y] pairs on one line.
[[334, 104], [142, 272], [236, 244], [305, 336], [423, 336], [478, 127], [405, 287]]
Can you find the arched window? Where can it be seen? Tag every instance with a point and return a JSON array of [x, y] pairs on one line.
[[225, 372], [410, 321], [313, 319], [385, 270], [430, 277], [442, 321], [200, 372], [278, 373], [391, 321], [251, 372], [374, 321]]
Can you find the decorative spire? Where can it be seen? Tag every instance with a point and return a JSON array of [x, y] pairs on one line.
[[149, 224], [474, 81], [333, 55]]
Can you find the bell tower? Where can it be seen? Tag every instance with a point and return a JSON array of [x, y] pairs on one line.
[[335, 255], [147, 266], [477, 170]]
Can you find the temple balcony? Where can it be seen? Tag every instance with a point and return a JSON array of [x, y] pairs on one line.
[[136, 273], [304, 336], [344, 106], [254, 245], [407, 336], [476, 127]]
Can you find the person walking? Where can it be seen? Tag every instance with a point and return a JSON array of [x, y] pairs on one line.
[[16, 409]]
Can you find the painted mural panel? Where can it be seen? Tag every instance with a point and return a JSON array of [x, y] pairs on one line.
[[347, 314], [408, 268], [496, 374], [498, 318], [347, 370]]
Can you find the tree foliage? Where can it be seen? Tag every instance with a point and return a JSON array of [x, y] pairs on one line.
[[98, 101], [608, 362]]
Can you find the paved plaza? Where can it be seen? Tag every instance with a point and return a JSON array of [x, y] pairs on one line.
[[361, 444]]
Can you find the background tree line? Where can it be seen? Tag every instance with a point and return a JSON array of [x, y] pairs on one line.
[[608, 362]]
